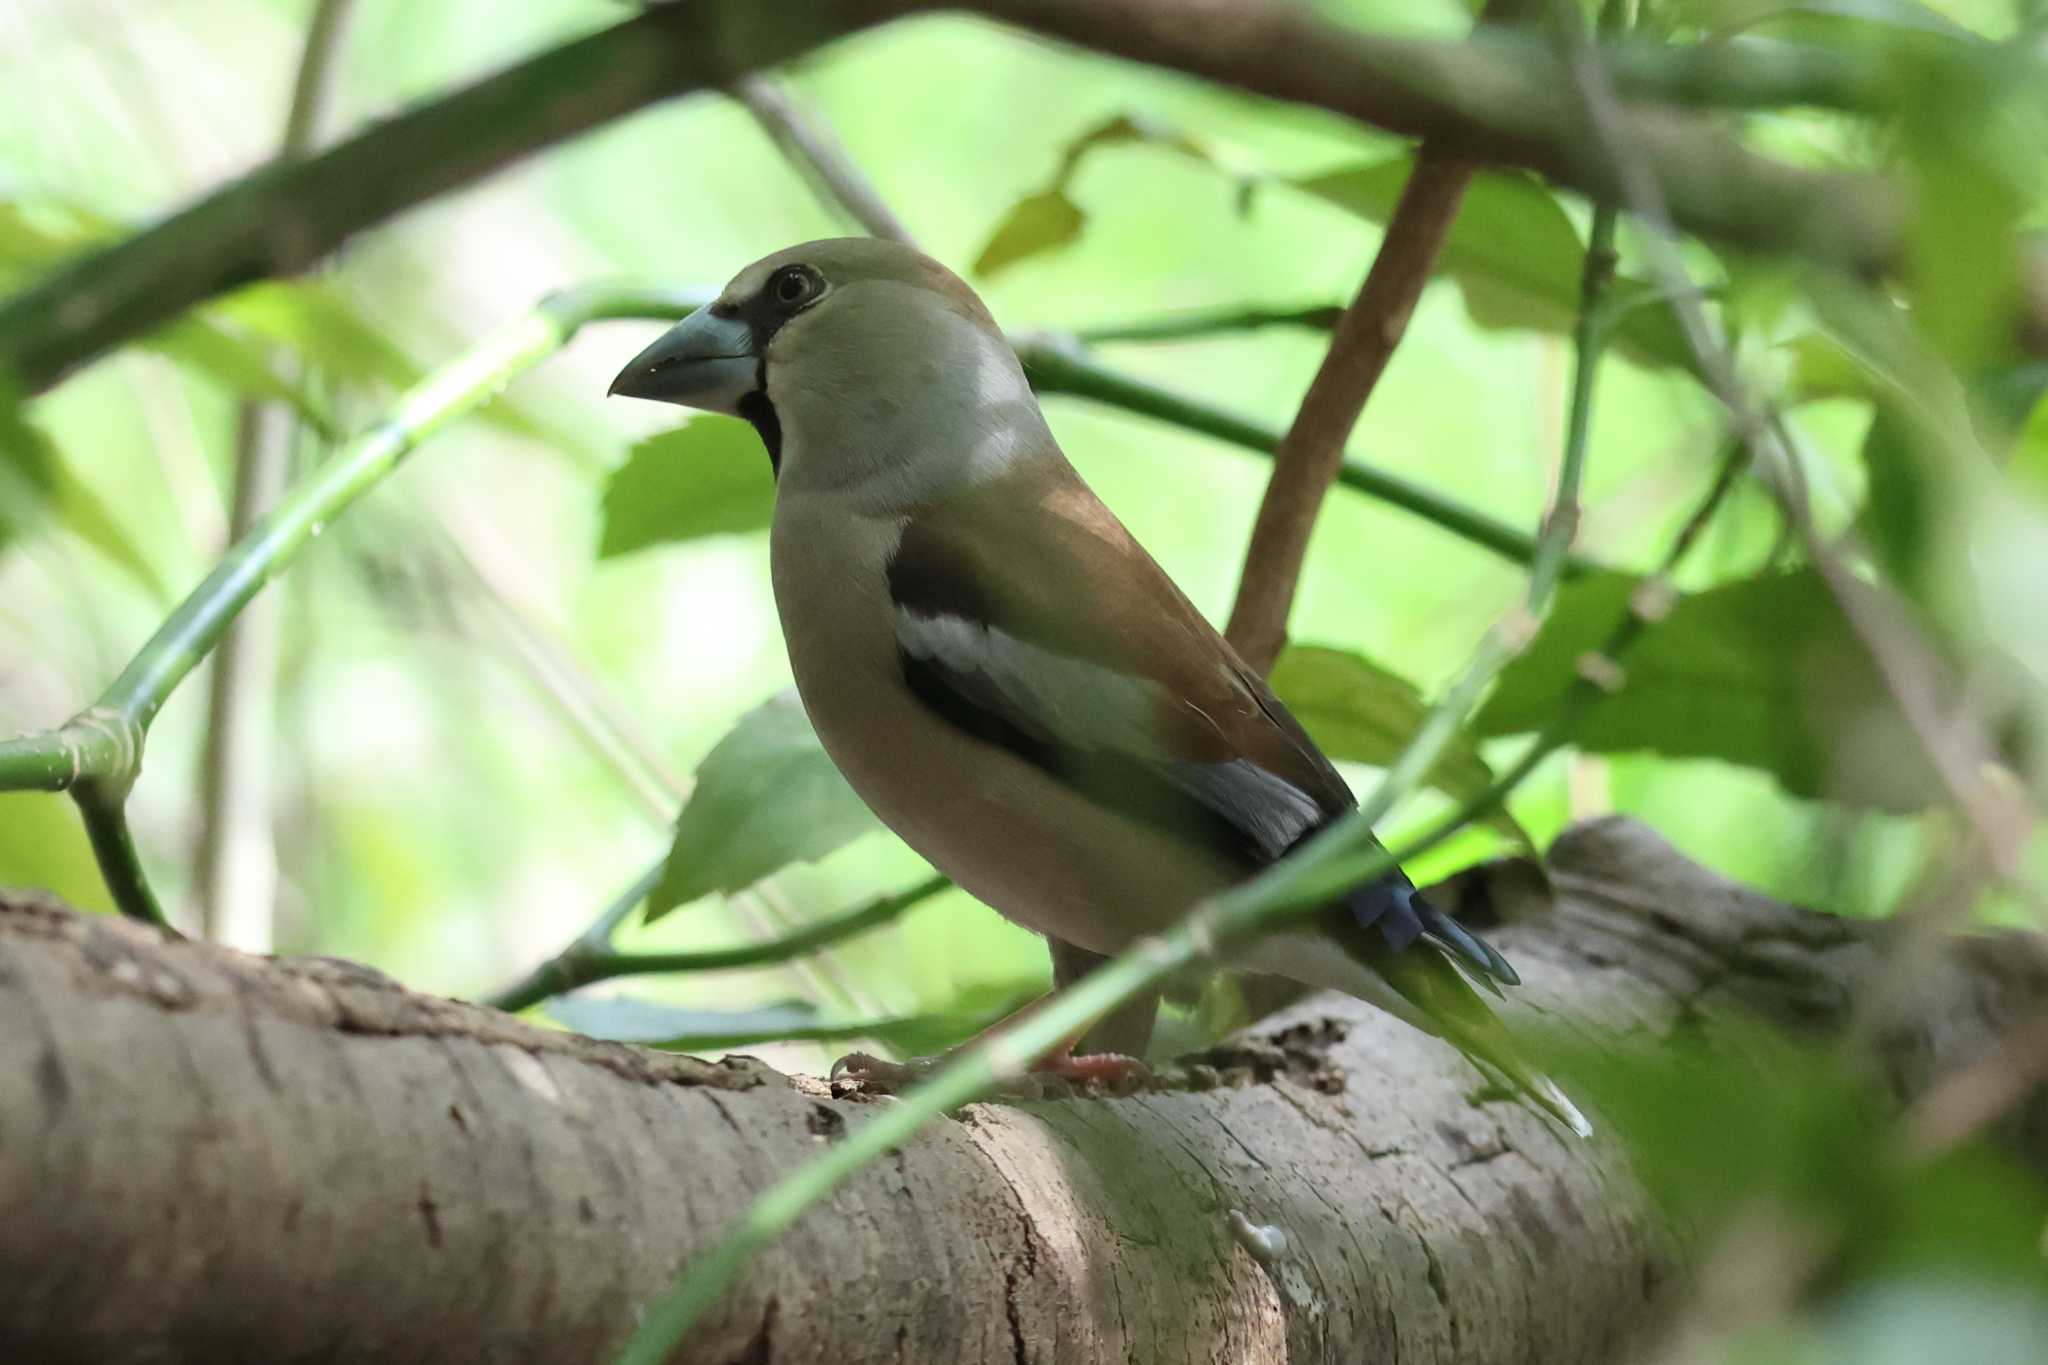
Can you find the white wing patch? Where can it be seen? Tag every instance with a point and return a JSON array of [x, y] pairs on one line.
[[1086, 705], [1272, 810], [1072, 700]]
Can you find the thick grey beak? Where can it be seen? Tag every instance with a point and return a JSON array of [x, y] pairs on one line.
[[703, 361]]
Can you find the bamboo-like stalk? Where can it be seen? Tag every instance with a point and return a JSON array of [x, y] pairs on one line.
[[99, 752]]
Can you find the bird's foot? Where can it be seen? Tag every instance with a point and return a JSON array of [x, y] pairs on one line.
[[1105, 1071], [872, 1075]]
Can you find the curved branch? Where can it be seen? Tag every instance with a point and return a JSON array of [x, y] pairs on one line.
[[591, 958], [811, 146], [113, 848], [1502, 99], [410, 1180], [284, 217], [1311, 456], [1505, 98]]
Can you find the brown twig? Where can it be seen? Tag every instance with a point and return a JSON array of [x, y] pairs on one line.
[[812, 147], [1308, 459], [236, 871]]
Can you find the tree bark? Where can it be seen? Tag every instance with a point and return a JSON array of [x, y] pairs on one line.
[[211, 1157]]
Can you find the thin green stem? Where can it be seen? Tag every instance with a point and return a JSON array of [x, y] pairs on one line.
[[1055, 367], [590, 958], [52, 760], [1588, 339], [1196, 325], [106, 827], [560, 972], [457, 389], [102, 746]]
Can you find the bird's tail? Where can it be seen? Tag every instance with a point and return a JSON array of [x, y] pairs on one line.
[[1383, 934]]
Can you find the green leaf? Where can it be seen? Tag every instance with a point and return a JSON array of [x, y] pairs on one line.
[[1048, 219], [1359, 712], [767, 796], [36, 482], [1036, 223], [331, 337], [35, 235], [1900, 503], [27, 467], [1972, 187], [243, 366], [1921, 449], [313, 321], [1822, 367], [1795, 1131], [706, 478], [1514, 254], [82, 511], [2030, 450], [1763, 672]]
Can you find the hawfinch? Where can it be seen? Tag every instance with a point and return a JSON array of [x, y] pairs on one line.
[[1001, 672]]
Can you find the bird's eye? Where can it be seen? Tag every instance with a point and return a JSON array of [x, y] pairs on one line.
[[793, 286]]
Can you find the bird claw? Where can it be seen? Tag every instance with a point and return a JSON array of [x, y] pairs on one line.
[[871, 1075]]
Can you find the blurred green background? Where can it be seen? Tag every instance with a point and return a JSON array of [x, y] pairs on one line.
[[483, 725], [436, 814]]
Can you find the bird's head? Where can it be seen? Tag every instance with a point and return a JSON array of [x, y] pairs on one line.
[[864, 364]]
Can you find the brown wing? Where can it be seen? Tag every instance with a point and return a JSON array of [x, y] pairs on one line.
[[1028, 615]]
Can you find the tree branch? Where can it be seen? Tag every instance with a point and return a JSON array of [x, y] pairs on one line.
[[811, 146], [1503, 100], [364, 1174], [1506, 99], [1311, 455], [284, 217]]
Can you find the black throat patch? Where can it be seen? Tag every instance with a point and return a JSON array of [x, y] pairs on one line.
[[756, 408]]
